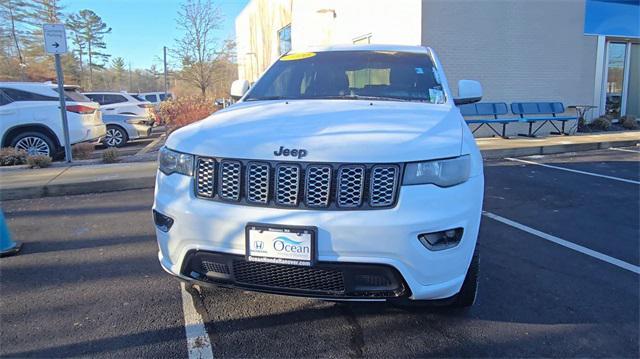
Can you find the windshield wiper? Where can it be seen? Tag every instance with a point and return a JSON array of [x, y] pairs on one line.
[[362, 97], [266, 98]]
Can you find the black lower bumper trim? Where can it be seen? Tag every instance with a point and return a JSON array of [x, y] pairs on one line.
[[323, 280]]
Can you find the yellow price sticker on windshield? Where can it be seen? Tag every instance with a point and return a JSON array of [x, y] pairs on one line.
[[298, 56]]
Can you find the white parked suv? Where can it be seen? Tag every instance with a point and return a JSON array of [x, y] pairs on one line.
[[30, 117], [154, 97], [121, 103], [346, 173]]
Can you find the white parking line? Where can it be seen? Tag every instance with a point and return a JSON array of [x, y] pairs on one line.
[[623, 150], [198, 341], [578, 248], [574, 171]]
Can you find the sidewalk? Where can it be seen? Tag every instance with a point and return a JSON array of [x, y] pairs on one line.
[[496, 147], [20, 182]]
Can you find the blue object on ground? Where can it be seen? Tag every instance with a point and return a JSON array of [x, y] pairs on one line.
[[7, 246]]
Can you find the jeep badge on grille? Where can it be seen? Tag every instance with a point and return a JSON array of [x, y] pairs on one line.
[[290, 152]]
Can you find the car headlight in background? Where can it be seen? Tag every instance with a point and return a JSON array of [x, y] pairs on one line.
[[175, 162], [443, 173]]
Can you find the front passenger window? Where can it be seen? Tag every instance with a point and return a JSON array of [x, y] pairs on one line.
[[3, 99]]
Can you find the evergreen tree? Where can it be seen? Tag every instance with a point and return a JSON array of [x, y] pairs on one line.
[[119, 68], [14, 18], [89, 31]]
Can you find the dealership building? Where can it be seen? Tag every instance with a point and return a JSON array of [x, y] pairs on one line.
[[579, 52]]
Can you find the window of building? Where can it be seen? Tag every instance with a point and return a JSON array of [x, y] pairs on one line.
[[284, 39]]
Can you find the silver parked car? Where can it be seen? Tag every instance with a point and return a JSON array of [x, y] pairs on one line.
[[122, 128]]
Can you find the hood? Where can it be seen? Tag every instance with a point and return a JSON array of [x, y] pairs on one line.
[[328, 130]]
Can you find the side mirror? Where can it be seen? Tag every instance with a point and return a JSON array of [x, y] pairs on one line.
[[469, 91], [239, 88]]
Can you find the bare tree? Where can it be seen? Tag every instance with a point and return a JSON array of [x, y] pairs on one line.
[[197, 50]]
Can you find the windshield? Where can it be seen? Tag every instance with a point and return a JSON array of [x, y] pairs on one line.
[[379, 75]]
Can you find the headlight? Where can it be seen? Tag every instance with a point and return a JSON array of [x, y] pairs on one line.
[[175, 162], [443, 173], [134, 121]]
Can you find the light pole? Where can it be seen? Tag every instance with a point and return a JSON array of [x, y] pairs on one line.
[[166, 80]]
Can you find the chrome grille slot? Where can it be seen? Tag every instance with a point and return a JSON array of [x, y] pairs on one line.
[[350, 186], [258, 175], [318, 186], [287, 184], [229, 187], [384, 179], [326, 186], [205, 177]]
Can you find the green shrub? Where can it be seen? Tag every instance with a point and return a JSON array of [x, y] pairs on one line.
[[110, 155], [9, 156], [38, 161], [629, 122], [601, 123]]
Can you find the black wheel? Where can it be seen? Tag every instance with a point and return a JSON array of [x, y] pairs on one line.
[[34, 143], [467, 295], [115, 137]]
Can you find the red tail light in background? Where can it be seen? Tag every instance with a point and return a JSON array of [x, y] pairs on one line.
[[81, 109], [145, 105]]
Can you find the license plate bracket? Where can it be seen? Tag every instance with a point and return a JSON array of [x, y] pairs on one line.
[[281, 244]]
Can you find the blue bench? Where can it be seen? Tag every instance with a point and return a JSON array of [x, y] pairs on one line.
[[545, 112], [494, 109]]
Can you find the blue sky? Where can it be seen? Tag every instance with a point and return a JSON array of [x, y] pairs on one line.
[[142, 27]]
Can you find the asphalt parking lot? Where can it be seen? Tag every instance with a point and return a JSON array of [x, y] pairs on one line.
[[560, 277]]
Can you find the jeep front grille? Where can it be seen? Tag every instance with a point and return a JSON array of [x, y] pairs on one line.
[[298, 185]]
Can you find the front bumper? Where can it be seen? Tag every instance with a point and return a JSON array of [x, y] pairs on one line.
[[322, 280], [372, 237]]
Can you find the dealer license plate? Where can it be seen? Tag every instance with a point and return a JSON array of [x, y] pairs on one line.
[[291, 245]]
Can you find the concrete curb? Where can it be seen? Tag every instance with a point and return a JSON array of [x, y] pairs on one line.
[[148, 180], [554, 149], [67, 189]]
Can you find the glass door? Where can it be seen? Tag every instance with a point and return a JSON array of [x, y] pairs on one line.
[[616, 56], [632, 103]]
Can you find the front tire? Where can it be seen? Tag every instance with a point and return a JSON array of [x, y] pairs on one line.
[[34, 143], [115, 137], [469, 291]]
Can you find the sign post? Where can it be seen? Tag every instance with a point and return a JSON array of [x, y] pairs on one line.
[[55, 43]]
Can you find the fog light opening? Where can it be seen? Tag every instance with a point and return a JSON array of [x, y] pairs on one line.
[[438, 241], [163, 222]]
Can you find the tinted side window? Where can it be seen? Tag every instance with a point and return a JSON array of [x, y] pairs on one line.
[[3, 99], [151, 98], [19, 95], [111, 99], [95, 98], [72, 94]]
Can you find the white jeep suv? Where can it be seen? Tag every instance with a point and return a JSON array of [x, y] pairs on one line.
[[30, 117], [346, 173]]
